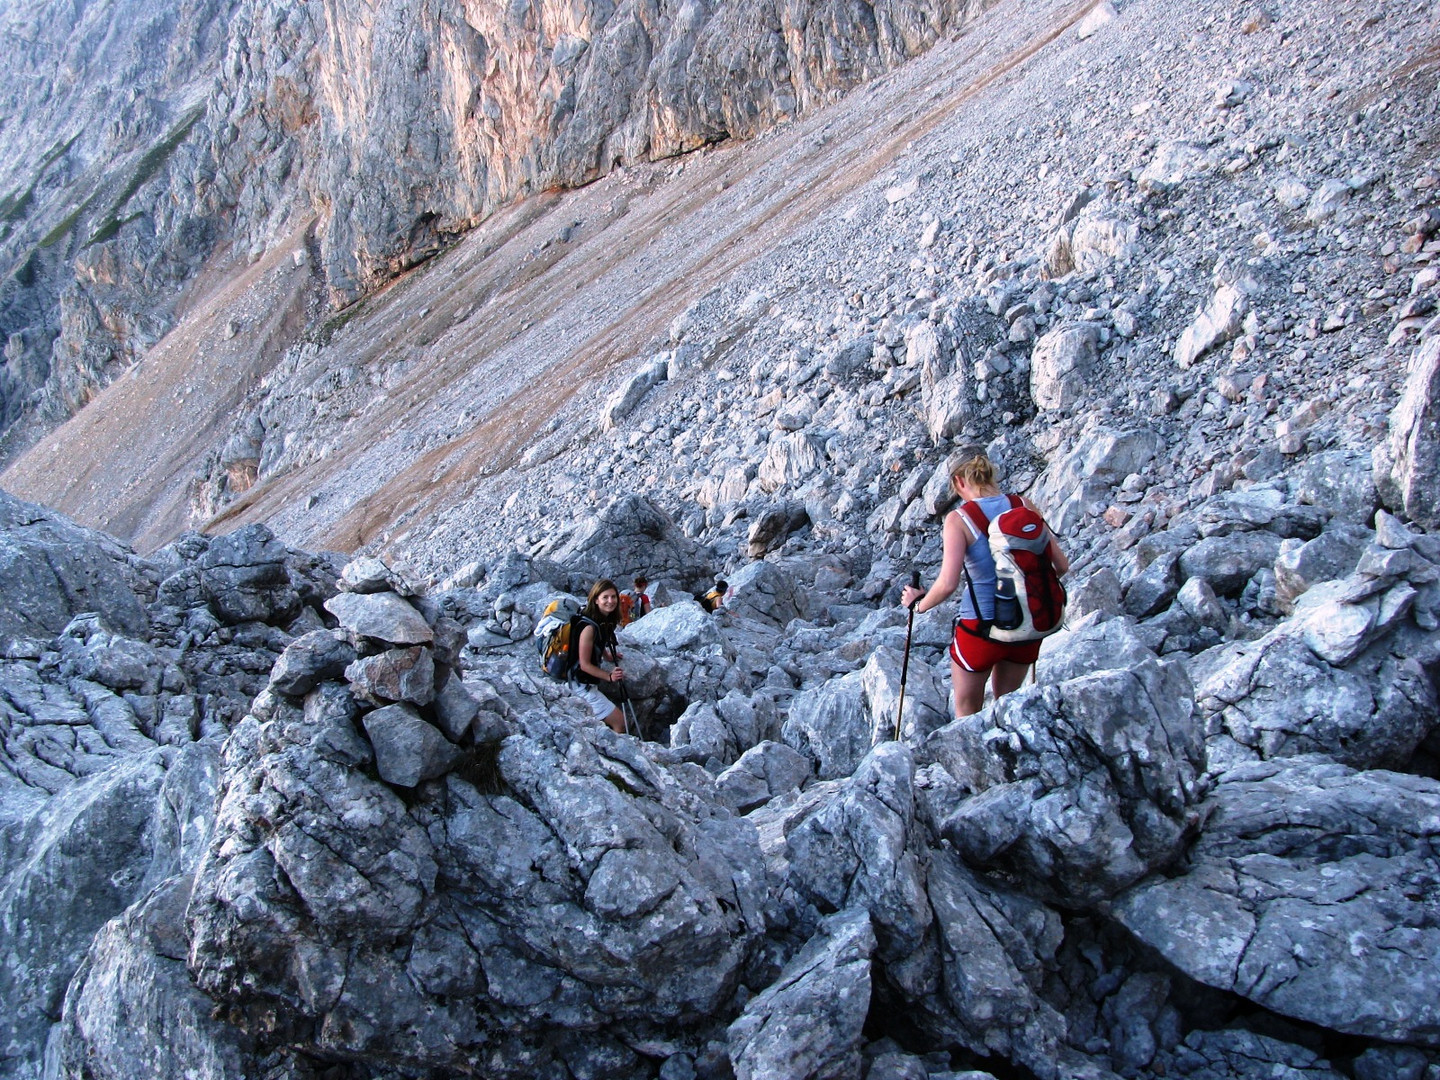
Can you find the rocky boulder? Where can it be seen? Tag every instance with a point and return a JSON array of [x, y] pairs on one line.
[[1120, 751], [1408, 466], [857, 846], [52, 570], [600, 890], [1101, 458], [1337, 680], [1062, 364], [760, 774], [1310, 892], [385, 616], [86, 860], [629, 535], [994, 947], [808, 1022], [135, 968], [766, 593], [245, 578]]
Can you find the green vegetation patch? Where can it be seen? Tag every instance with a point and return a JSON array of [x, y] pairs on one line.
[[17, 204], [155, 158], [59, 232], [111, 226]]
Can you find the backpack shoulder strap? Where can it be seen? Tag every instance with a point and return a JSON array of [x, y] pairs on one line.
[[972, 513], [1015, 501]]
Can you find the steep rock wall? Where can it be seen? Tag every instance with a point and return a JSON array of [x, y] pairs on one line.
[[141, 143]]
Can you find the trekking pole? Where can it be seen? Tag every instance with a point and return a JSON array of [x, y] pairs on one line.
[[627, 711], [905, 667]]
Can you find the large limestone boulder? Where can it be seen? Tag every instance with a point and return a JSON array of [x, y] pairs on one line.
[[1311, 892], [790, 460], [829, 724], [385, 616], [761, 773], [407, 748], [946, 395], [1100, 458], [1081, 788], [808, 1023], [581, 887], [86, 857], [1227, 563], [1340, 481], [52, 570], [309, 660], [994, 946], [1333, 680], [1095, 644], [627, 536], [1218, 321], [858, 847], [132, 1009], [767, 593], [1061, 365], [245, 577]]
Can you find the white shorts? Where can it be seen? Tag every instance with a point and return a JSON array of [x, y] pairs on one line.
[[600, 705]]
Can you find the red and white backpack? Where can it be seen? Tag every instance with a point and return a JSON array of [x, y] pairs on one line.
[[1029, 599]]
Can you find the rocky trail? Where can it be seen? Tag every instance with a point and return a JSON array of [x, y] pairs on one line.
[[268, 811]]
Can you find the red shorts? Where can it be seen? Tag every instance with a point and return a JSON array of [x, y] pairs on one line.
[[976, 654]]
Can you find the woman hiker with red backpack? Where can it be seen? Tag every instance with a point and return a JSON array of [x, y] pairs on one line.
[[1002, 649]]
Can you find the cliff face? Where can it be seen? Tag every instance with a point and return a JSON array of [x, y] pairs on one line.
[[141, 143]]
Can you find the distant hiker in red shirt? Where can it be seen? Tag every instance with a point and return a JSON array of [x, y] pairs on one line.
[[635, 603]]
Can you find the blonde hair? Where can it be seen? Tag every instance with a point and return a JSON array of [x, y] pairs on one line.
[[977, 472]]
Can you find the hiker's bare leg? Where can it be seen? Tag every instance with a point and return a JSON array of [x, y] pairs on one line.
[[969, 689], [616, 720], [1008, 676]]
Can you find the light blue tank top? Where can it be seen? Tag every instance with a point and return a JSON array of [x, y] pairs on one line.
[[979, 563]]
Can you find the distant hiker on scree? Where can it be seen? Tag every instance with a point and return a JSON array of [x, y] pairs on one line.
[[635, 603], [1001, 645], [597, 644]]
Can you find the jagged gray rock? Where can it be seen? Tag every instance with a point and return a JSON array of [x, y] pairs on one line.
[[1307, 892], [994, 946], [1410, 462], [631, 535], [309, 660], [760, 774], [1120, 750], [52, 570], [526, 912], [382, 615], [807, 1023], [135, 969], [1279, 698], [1061, 364], [245, 577], [394, 675], [407, 748], [85, 860]]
